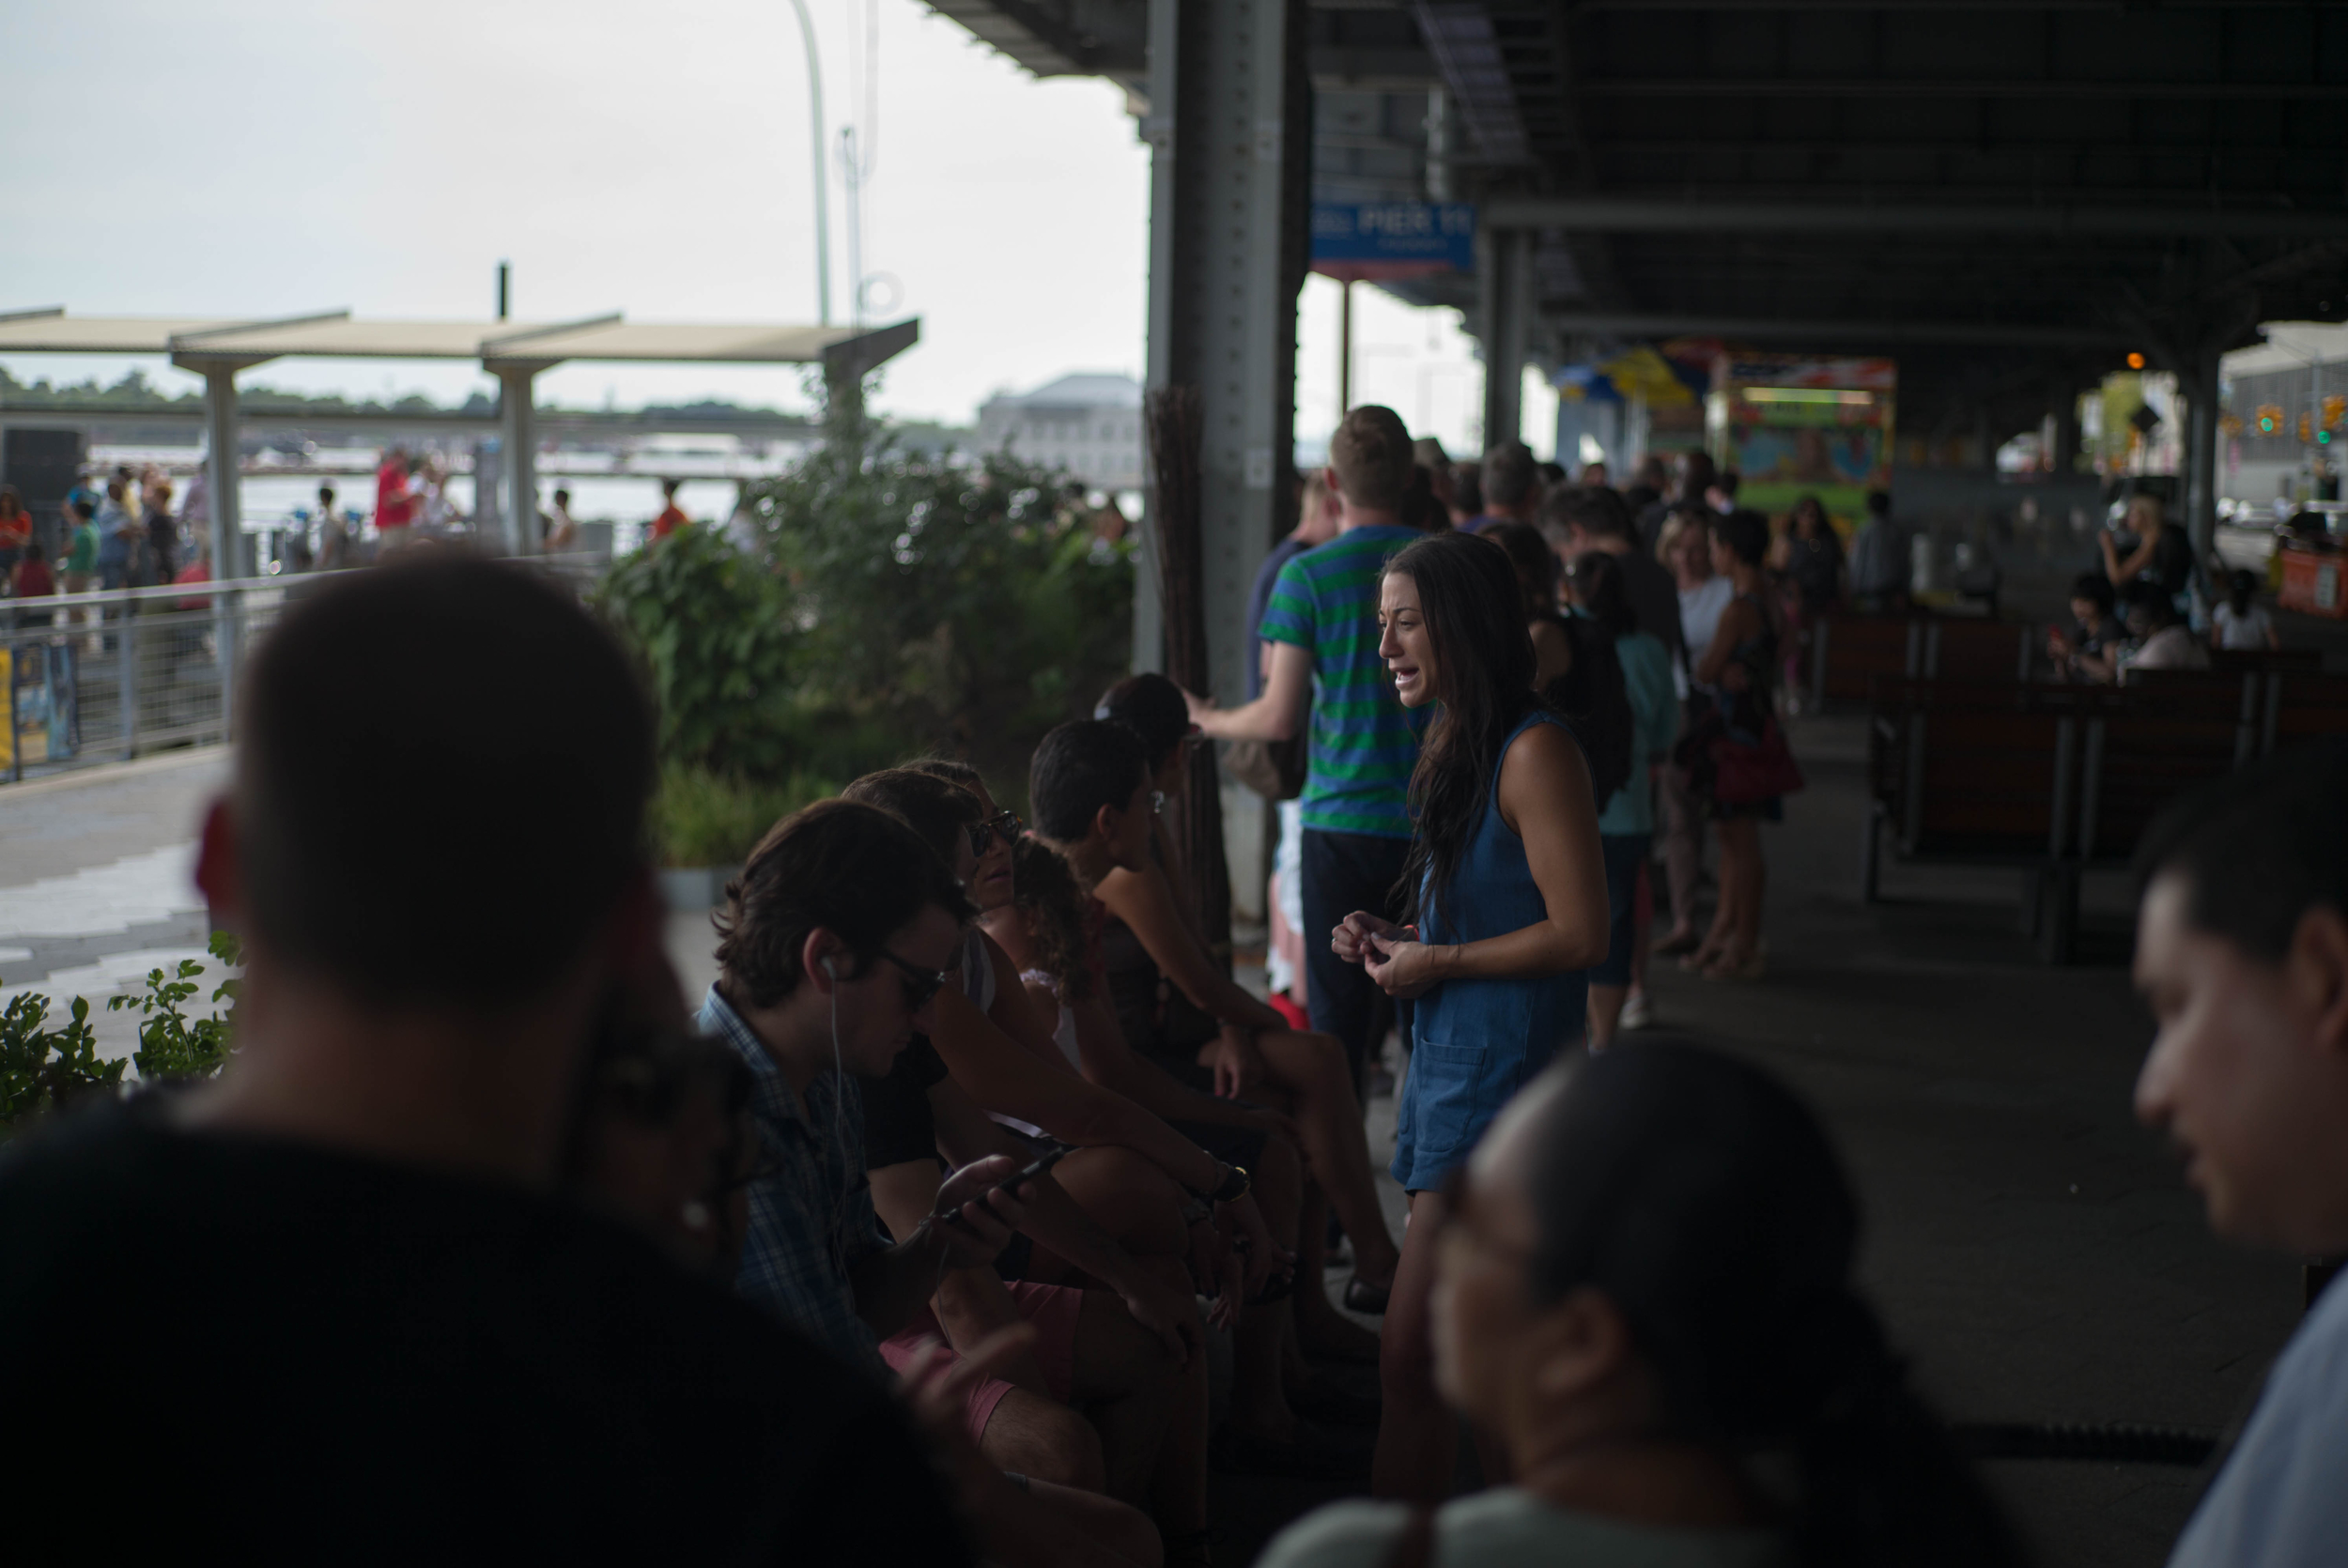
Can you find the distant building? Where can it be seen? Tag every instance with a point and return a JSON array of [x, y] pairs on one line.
[[1088, 424]]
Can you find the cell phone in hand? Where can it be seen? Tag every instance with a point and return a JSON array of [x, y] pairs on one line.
[[1033, 1168], [1026, 1172]]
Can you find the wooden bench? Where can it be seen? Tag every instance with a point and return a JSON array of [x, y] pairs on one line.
[[2050, 778], [1849, 654]]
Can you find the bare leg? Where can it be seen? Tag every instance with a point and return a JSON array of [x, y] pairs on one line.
[[1042, 1525], [1683, 852], [1318, 1326], [1312, 1067], [1605, 1013], [1260, 1404], [1128, 1387], [1035, 1434], [1417, 1436]]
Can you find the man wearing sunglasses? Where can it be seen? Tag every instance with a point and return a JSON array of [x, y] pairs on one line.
[[833, 945]]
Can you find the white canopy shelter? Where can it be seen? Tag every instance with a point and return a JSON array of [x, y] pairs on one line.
[[515, 352]]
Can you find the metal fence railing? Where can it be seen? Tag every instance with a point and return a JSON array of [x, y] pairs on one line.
[[104, 677]]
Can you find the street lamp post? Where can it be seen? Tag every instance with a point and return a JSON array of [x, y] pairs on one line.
[[823, 215]]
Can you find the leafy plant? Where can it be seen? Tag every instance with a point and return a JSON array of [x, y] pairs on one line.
[[44, 1070], [943, 603], [714, 819], [171, 1044], [714, 629]]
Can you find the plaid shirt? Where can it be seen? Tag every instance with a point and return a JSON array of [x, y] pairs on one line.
[[810, 1206]]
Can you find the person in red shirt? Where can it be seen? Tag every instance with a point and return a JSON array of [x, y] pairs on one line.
[[671, 517], [394, 505], [16, 528], [31, 579]]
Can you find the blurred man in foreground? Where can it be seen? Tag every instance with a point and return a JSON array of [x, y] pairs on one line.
[[333, 1302], [2241, 950]]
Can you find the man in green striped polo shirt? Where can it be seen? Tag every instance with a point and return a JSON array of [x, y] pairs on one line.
[[1361, 743]]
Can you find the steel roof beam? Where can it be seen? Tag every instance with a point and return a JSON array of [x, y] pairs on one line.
[[1927, 86], [1978, 333], [1623, 215]]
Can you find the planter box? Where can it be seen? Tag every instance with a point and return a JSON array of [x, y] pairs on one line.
[[685, 888]]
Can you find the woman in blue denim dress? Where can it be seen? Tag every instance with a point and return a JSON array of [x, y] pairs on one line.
[[1512, 897]]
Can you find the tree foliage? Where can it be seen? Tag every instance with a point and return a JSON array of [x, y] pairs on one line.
[[882, 603]]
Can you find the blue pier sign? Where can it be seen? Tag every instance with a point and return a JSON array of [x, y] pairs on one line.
[[1376, 240]]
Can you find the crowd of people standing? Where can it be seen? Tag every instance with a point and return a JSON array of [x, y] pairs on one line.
[[906, 1241]]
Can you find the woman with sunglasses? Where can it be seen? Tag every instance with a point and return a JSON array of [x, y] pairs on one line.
[[1643, 1295], [1509, 883]]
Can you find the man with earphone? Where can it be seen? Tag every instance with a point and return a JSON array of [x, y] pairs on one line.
[[833, 946]]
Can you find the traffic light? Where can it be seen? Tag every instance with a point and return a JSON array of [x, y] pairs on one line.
[[2270, 418], [2335, 409], [2307, 427]]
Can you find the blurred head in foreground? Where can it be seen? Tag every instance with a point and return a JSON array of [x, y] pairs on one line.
[[2242, 951], [435, 824], [1650, 1255]]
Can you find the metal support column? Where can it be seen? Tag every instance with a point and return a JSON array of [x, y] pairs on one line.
[[2201, 453], [1505, 268], [517, 452], [1228, 231]]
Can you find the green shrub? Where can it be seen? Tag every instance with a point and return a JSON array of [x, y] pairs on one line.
[[713, 629], [171, 1044], [44, 1070], [711, 819], [943, 607], [894, 604]]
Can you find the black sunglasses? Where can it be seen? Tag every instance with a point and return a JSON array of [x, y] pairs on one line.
[[1003, 825], [922, 985]]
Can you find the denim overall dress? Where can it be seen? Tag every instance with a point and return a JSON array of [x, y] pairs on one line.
[[1473, 1044]]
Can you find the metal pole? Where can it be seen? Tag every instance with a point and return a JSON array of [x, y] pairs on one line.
[[1345, 348], [127, 671], [2201, 460], [505, 279], [815, 142], [221, 478], [519, 427]]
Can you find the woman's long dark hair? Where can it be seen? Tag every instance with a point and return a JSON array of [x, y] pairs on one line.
[[1702, 1199], [1468, 599]]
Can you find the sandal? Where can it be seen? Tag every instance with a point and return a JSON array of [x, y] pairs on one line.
[[1672, 947]]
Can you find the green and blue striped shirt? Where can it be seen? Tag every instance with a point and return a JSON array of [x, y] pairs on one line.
[[1363, 743]]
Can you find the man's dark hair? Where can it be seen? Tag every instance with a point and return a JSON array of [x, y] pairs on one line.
[[1747, 535], [1880, 503], [1696, 475], [852, 870], [1371, 454], [2154, 600], [2257, 849], [1153, 708], [441, 783], [2095, 588], [953, 770], [1467, 491], [85, 509], [1727, 483], [937, 808], [1594, 509], [1552, 473], [1081, 766], [1510, 475]]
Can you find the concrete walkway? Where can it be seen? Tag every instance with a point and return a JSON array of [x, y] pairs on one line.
[[2033, 1249], [97, 882]]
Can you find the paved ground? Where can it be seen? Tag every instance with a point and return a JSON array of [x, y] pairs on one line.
[[2033, 1249], [95, 884]]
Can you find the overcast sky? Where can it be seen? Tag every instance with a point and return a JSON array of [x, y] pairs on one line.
[[266, 157]]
